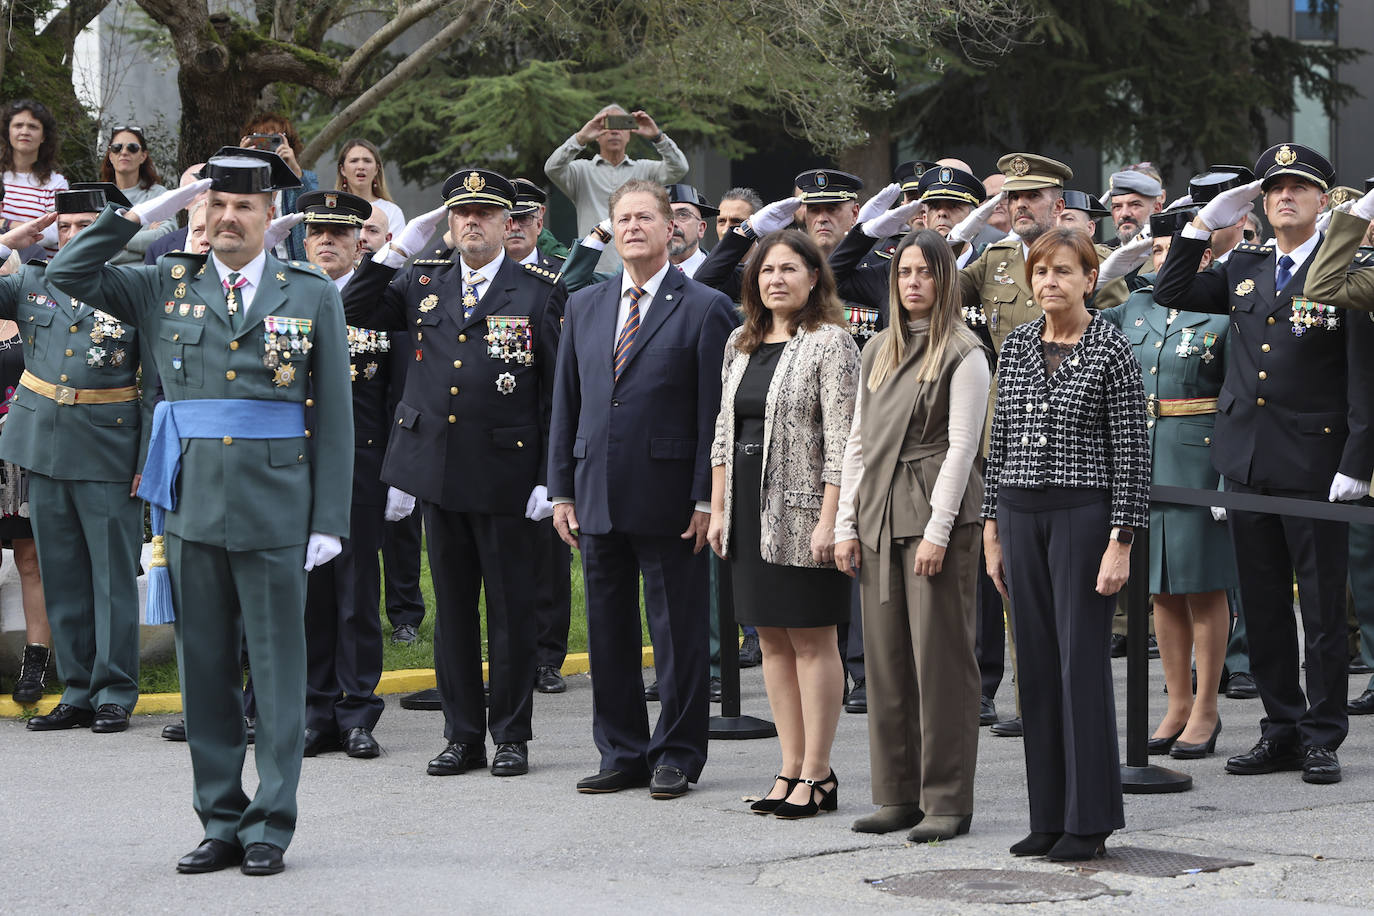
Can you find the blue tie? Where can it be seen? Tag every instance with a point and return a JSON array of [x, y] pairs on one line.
[[1284, 274]]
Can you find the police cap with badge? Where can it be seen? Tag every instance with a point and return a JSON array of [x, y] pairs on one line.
[[529, 197], [1082, 200], [1029, 171], [828, 186], [334, 208], [1297, 160], [89, 197], [479, 186], [240, 170], [908, 174], [686, 194], [944, 182]]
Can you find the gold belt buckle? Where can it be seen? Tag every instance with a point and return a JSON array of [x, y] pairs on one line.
[[64, 394], [1152, 406]]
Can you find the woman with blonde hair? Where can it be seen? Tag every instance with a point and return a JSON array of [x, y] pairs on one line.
[[361, 172], [909, 527]]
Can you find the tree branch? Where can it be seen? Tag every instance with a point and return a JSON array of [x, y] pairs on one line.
[[405, 18], [364, 103], [284, 20], [74, 18]]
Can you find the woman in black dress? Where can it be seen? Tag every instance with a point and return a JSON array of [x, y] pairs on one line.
[[788, 383]]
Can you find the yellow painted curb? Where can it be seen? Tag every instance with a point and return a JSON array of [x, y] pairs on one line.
[[404, 681]]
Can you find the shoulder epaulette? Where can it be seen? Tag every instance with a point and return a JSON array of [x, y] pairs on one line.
[[1250, 248], [308, 268], [1363, 258], [548, 276], [432, 262]]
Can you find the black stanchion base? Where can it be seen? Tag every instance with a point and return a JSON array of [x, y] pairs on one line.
[[1153, 780], [738, 728]]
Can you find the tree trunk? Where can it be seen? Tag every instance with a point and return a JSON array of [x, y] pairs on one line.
[[213, 110], [873, 161]]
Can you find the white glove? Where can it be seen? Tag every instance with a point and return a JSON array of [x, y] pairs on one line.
[[774, 216], [321, 549], [1324, 221], [169, 203], [592, 240], [1364, 207], [879, 203], [971, 225], [890, 222], [1185, 201], [1218, 514], [538, 507], [279, 229], [418, 231], [1126, 258], [1229, 207], [1347, 489], [399, 504]]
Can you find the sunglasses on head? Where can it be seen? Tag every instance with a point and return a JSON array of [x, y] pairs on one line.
[[117, 148]]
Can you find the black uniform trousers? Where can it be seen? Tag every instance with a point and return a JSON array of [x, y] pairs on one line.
[[553, 598], [851, 636], [343, 632], [471, 553], [676, 599], [1269, 550], [1052, 544], [991, 643], [405, 603]]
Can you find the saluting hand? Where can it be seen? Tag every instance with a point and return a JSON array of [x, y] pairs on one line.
[[774, 216], [1229, 207], [279, 229], [891, 222], [167, 204], [26, 234], [418, 231], [879, 203], [1126, 258], [971, 225]]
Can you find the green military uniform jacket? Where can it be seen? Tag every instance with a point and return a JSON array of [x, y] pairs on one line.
[[71, 344], [1330, 280], [258, 494], [1182, 355]]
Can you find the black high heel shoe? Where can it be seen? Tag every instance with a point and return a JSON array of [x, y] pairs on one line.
[[1183, 751], [1162, 745], [769, 805], [1035, 844], [827, 801], [1075, 847]]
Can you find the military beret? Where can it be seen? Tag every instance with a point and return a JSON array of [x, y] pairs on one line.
[[337, 208], [686, 194], [908, 174], [478, 186], [828, 186], [529, 197], [1294, 159], [89, 197], [944, 182], [241, 170], [1028, 171], [1082, 200], [1130, 182]]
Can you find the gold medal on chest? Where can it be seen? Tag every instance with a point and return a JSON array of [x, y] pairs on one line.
[[1245, 287], [285, 375], [429, 303]]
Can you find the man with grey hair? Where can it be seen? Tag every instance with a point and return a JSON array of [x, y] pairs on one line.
[[736, 206], [1133, 197], [589, 182]]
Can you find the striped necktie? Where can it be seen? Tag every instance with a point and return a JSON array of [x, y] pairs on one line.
[[232, 284], [473, 280], [627, 333]]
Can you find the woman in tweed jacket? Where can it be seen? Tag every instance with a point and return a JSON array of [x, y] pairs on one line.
[[788, 382], [1067, 485]]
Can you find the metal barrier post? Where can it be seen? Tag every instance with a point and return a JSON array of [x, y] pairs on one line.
[[730, 725]]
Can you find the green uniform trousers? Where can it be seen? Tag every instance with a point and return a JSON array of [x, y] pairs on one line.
[[89, 534], [224, 598]]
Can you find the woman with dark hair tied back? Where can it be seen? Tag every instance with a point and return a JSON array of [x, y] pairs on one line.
[[787, 403], [909, 526], [128, 165], [1068, 476], [28, 157]]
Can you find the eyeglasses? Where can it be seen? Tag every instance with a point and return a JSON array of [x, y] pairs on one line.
[[685, 215], [118, 148]]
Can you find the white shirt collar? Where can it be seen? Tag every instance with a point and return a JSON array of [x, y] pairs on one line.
[[650, 286], [1299, 254], [251, 272], [487, 271], [343, 281], [689, 266], [531, 258]]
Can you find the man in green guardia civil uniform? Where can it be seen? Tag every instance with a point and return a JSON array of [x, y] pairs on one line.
[[75, 422], [250, 506]]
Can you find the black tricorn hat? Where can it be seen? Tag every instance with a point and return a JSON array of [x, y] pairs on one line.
[[1171, 221], [89, 197], [1088, 203], [240, 170], [686, 194]]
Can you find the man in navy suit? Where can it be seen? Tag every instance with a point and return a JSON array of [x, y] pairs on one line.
[[635, 401]]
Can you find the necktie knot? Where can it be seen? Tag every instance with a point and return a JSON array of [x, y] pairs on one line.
[[474, 279], [235, 281], [635, 293]]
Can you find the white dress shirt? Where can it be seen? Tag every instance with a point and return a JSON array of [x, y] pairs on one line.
[[689, 266], [251, 272], [650, 288], [486, 271]]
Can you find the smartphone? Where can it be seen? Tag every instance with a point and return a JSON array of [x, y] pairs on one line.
[[620, 122], [265, 141]]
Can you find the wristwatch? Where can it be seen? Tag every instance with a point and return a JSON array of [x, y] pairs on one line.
[[1123, 535], [747, 230], [601, 234]]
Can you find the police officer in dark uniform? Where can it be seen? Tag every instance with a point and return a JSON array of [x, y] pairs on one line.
[[1279, 434], [343, 634], [469, 442], [527, 222]]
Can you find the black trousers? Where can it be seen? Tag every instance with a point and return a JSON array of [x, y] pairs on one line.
[[553, 595], [851, 636], [343, 633], [991, 631], [1270, 549], [471, 553], [676, 585], [1052, 544], [405, 603]]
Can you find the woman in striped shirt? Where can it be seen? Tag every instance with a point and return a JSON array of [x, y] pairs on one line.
[[28, 156]]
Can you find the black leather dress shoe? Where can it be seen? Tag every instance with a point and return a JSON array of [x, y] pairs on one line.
[[404, 635], [1152, 650], [175, 732], [62, 716], [458, 758], [987, 711], [110, 718], [1241, 686], [1320, 766], [1008, 728], [422, 699], [668, 782], [1357, 666], [610, 781], [1118, 645], [318, 742], [713, 690], [1265, 757], [750, 652], [1362, 705], [857, 701], [651, 692], [511, 759], [262, 859], [548, 679], [210, 855], [358, 742]]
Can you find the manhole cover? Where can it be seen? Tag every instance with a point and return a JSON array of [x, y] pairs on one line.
[[987, 885], [1154, 863]]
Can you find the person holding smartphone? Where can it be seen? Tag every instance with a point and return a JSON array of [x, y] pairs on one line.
[[589, 182], [275, 133]]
